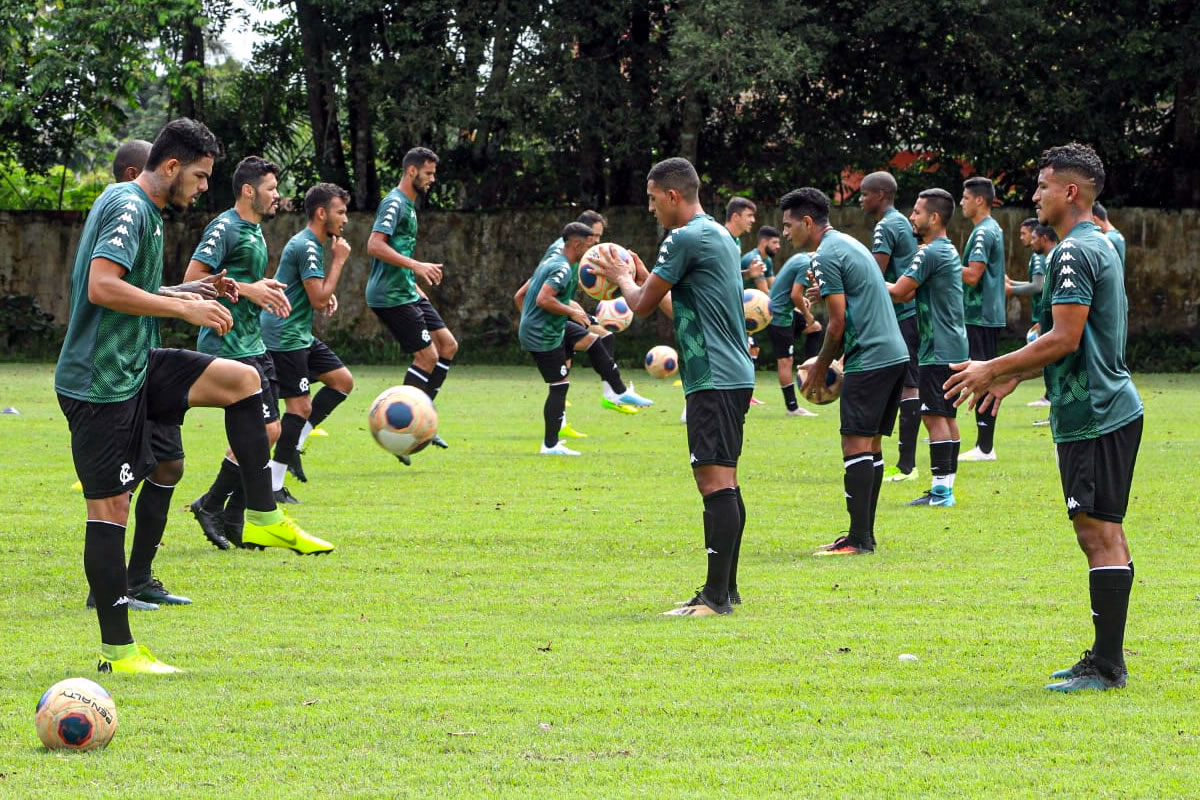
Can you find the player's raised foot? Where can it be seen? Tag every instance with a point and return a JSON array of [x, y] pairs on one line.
[[567, 432], [1039, 403], [559, 449], [1090, 676], [140, 661], [405, 460], [975, 454], [937, 496], [845, 546], [153, 591], [632, 398], [297, 468], [894, 475], [620, 408], [132, 603], [282, 495], [700, 606], [210, 522], [754, 401], [1076, 669], [283, 532], [438, 441], [801, 411]]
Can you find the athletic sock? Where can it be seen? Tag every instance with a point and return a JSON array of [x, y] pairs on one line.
[[285, 448], [722, 520], [910, 426], [859, 477], [229, 477], [954, 460], [554, 411], [940, 455], [737, 545], [247, 436], [419, 378], [1131, 573], [1109, 587], [876, 485], [985, 426], [236, 507], [323, 404], [104, 565], [610, 345], [304, 434], [150, 520], [789, 397], [440, 370], [605, 367]]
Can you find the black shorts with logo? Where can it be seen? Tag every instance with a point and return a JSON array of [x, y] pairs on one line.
[[871, 399], [783, 339], [1098, 473], [933, 396], [411, 323], [111, 443], [166, 441], [715, 418], [266, 374], [553, 364], [982, 342], [912, 338], [295, 370]]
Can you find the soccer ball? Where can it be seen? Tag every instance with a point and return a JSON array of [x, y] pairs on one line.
[[594, 285], [76, 714], [662, 361], [402, 419], [833, 381], [1031, 335], [613, 315], [757, 307]]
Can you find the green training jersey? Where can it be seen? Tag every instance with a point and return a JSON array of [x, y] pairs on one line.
[[700, 261], [388, 284], [894, 237], [1037, 266], [938, 272], [303, 258], [794, 271], [1118, 241], [984, 302], [872, 339], [557, 247], [232, 244], [768, 267], [541, 330], [105, 353], [1090, 390]]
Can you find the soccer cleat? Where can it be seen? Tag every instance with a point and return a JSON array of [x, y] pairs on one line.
[[232, 522], [754, 401], [153, 591], [618, 407], [567, 432], [132, 603], [1091, 678], [559, 449], [975, 454], [405, 460], [142, 662], [632, 398], [801, 411], [843, 546], [894, 475], [1038, 423], [297, 468], [1039, 403], [438, 441], [700, 606], [934, 497], [1076, 669], [210, 522], [284, 533], [735, 597], [282, 495]]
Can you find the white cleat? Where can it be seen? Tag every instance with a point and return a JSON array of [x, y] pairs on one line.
[[559, 449], [975, 454], [632, 398], [1041, 402], [683, 416], [801, 411]]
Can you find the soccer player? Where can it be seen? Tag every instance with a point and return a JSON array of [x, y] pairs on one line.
[[983, 297], [787, 300], [233, 242], [1039, 239], [553, 326], [1095, 412], [110, 379], [764, 254], [698, 264], [862, 325], [934, 278], [299, 357], [392, 291], [1100, 214], [893, 245], [130, 160], [740, 214]]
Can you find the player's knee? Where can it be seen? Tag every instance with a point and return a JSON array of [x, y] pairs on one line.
[[273, 430], [168, 473], [245, 381], [448, 346], [300, 406], [113, 509], [341, 381], [426, 358]]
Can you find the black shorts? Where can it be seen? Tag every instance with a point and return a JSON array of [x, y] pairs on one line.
[[111, 442], [1097, 473], [982, 342], [166, 441], [783, 340], [715, 418], [411, 323], [871, 399], [266, 374], [912, 338], [296, 369], [555, 364], [933, 399]]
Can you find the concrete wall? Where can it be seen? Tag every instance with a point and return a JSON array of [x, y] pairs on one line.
[[488, 255]]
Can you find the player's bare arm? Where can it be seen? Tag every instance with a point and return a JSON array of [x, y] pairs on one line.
[[267, 293], [378, 247], [105, 288], [831, 348], [320, 290], [903, 290], [547, 300], [973, 272]]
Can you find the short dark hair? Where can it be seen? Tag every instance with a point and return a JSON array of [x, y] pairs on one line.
[[940, 202], [252, 170], [1099, 211], [807, 201], [131, 154], [880, 181], [590, 218], [576, 230], [1075, 157], [678, 174], [1029, 222], [321, 195], [737, 205], [185, 140], [1046, 231], [767, 232], [980, 187], [418, 157]]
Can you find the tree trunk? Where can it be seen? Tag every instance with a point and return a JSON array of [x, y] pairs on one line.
[[362, 119], [191, 95], [322, 94], [1186, 177]]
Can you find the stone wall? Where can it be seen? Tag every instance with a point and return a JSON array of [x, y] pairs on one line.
[[488, 255]]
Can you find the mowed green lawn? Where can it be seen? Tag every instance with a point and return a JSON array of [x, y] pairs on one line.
[[489, 624]]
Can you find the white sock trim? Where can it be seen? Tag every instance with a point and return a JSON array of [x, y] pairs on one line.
[[854, 461], [1123, 567], [108, 522]]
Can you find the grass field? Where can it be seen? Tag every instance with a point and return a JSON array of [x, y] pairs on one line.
[[489, 622]]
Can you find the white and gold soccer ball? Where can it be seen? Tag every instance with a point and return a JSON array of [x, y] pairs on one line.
[[595, 285], [613, 315], [662, 361], [757, 308], [76, 714], [832, 389], [402, 419]]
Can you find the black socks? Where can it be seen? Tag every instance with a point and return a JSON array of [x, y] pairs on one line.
[[323, 404], [910, 427], [419, 378], [604, 365], [289, 437], [1110, 588], [985, 426], [150, 520], [104, 565], [859, 481], [722, 522], [228, 480], [737, 546], [440, 370], [789, 397], [248, 437], [553, 410]]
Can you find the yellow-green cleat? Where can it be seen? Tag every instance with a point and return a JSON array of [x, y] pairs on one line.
[[283, 532], [567, 432], [142, 661], [618, 407]]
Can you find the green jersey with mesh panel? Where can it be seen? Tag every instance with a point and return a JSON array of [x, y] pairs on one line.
[[388, 284], [237, 246], [894, 237], [938, 272], [105, 353], [303, 258]]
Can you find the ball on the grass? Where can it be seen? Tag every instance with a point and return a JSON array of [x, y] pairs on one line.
[[757, 307], [402, 419], [76, 714], [662, 361], [613, 315], [595, 285], [833, 381]]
